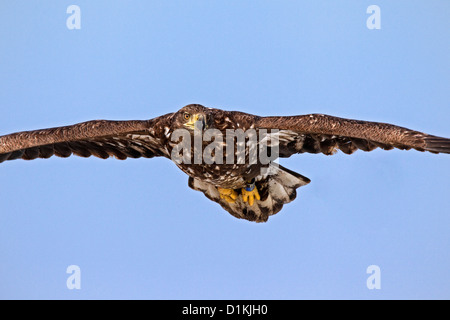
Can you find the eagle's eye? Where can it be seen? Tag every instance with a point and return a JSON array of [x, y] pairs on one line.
[[186, 116]]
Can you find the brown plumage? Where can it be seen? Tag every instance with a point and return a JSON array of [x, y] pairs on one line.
[[315, 133]]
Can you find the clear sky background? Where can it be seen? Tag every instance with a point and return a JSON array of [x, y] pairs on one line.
[[135, 228]]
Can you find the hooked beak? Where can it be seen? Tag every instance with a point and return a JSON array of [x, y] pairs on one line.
[[197, 121]]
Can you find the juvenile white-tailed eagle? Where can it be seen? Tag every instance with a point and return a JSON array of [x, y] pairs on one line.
[[248, 190]]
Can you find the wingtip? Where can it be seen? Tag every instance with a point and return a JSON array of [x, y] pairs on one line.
[[437, 144]]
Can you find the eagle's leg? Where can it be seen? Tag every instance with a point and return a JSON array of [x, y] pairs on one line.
[[250, 193], [228, 194]]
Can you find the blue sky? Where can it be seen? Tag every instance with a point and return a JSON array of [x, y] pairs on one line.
[[134, 227]]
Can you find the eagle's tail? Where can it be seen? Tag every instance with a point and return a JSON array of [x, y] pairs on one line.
[[277, 186]]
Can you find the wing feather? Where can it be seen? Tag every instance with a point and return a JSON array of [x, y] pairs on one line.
[[99, 138], [316, 133]]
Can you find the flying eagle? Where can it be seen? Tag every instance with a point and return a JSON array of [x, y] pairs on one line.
[[252, 191]]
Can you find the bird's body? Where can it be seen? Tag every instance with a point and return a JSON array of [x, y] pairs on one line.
[[227, 176], [228, 155], [220, 173]]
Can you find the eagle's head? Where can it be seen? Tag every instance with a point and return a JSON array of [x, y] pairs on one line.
[[193, 116]]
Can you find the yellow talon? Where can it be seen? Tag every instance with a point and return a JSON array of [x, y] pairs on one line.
[[229, 195], [250, 196]]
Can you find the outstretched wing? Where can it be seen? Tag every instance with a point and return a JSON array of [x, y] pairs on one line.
[[100, 138], [318, 133]]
